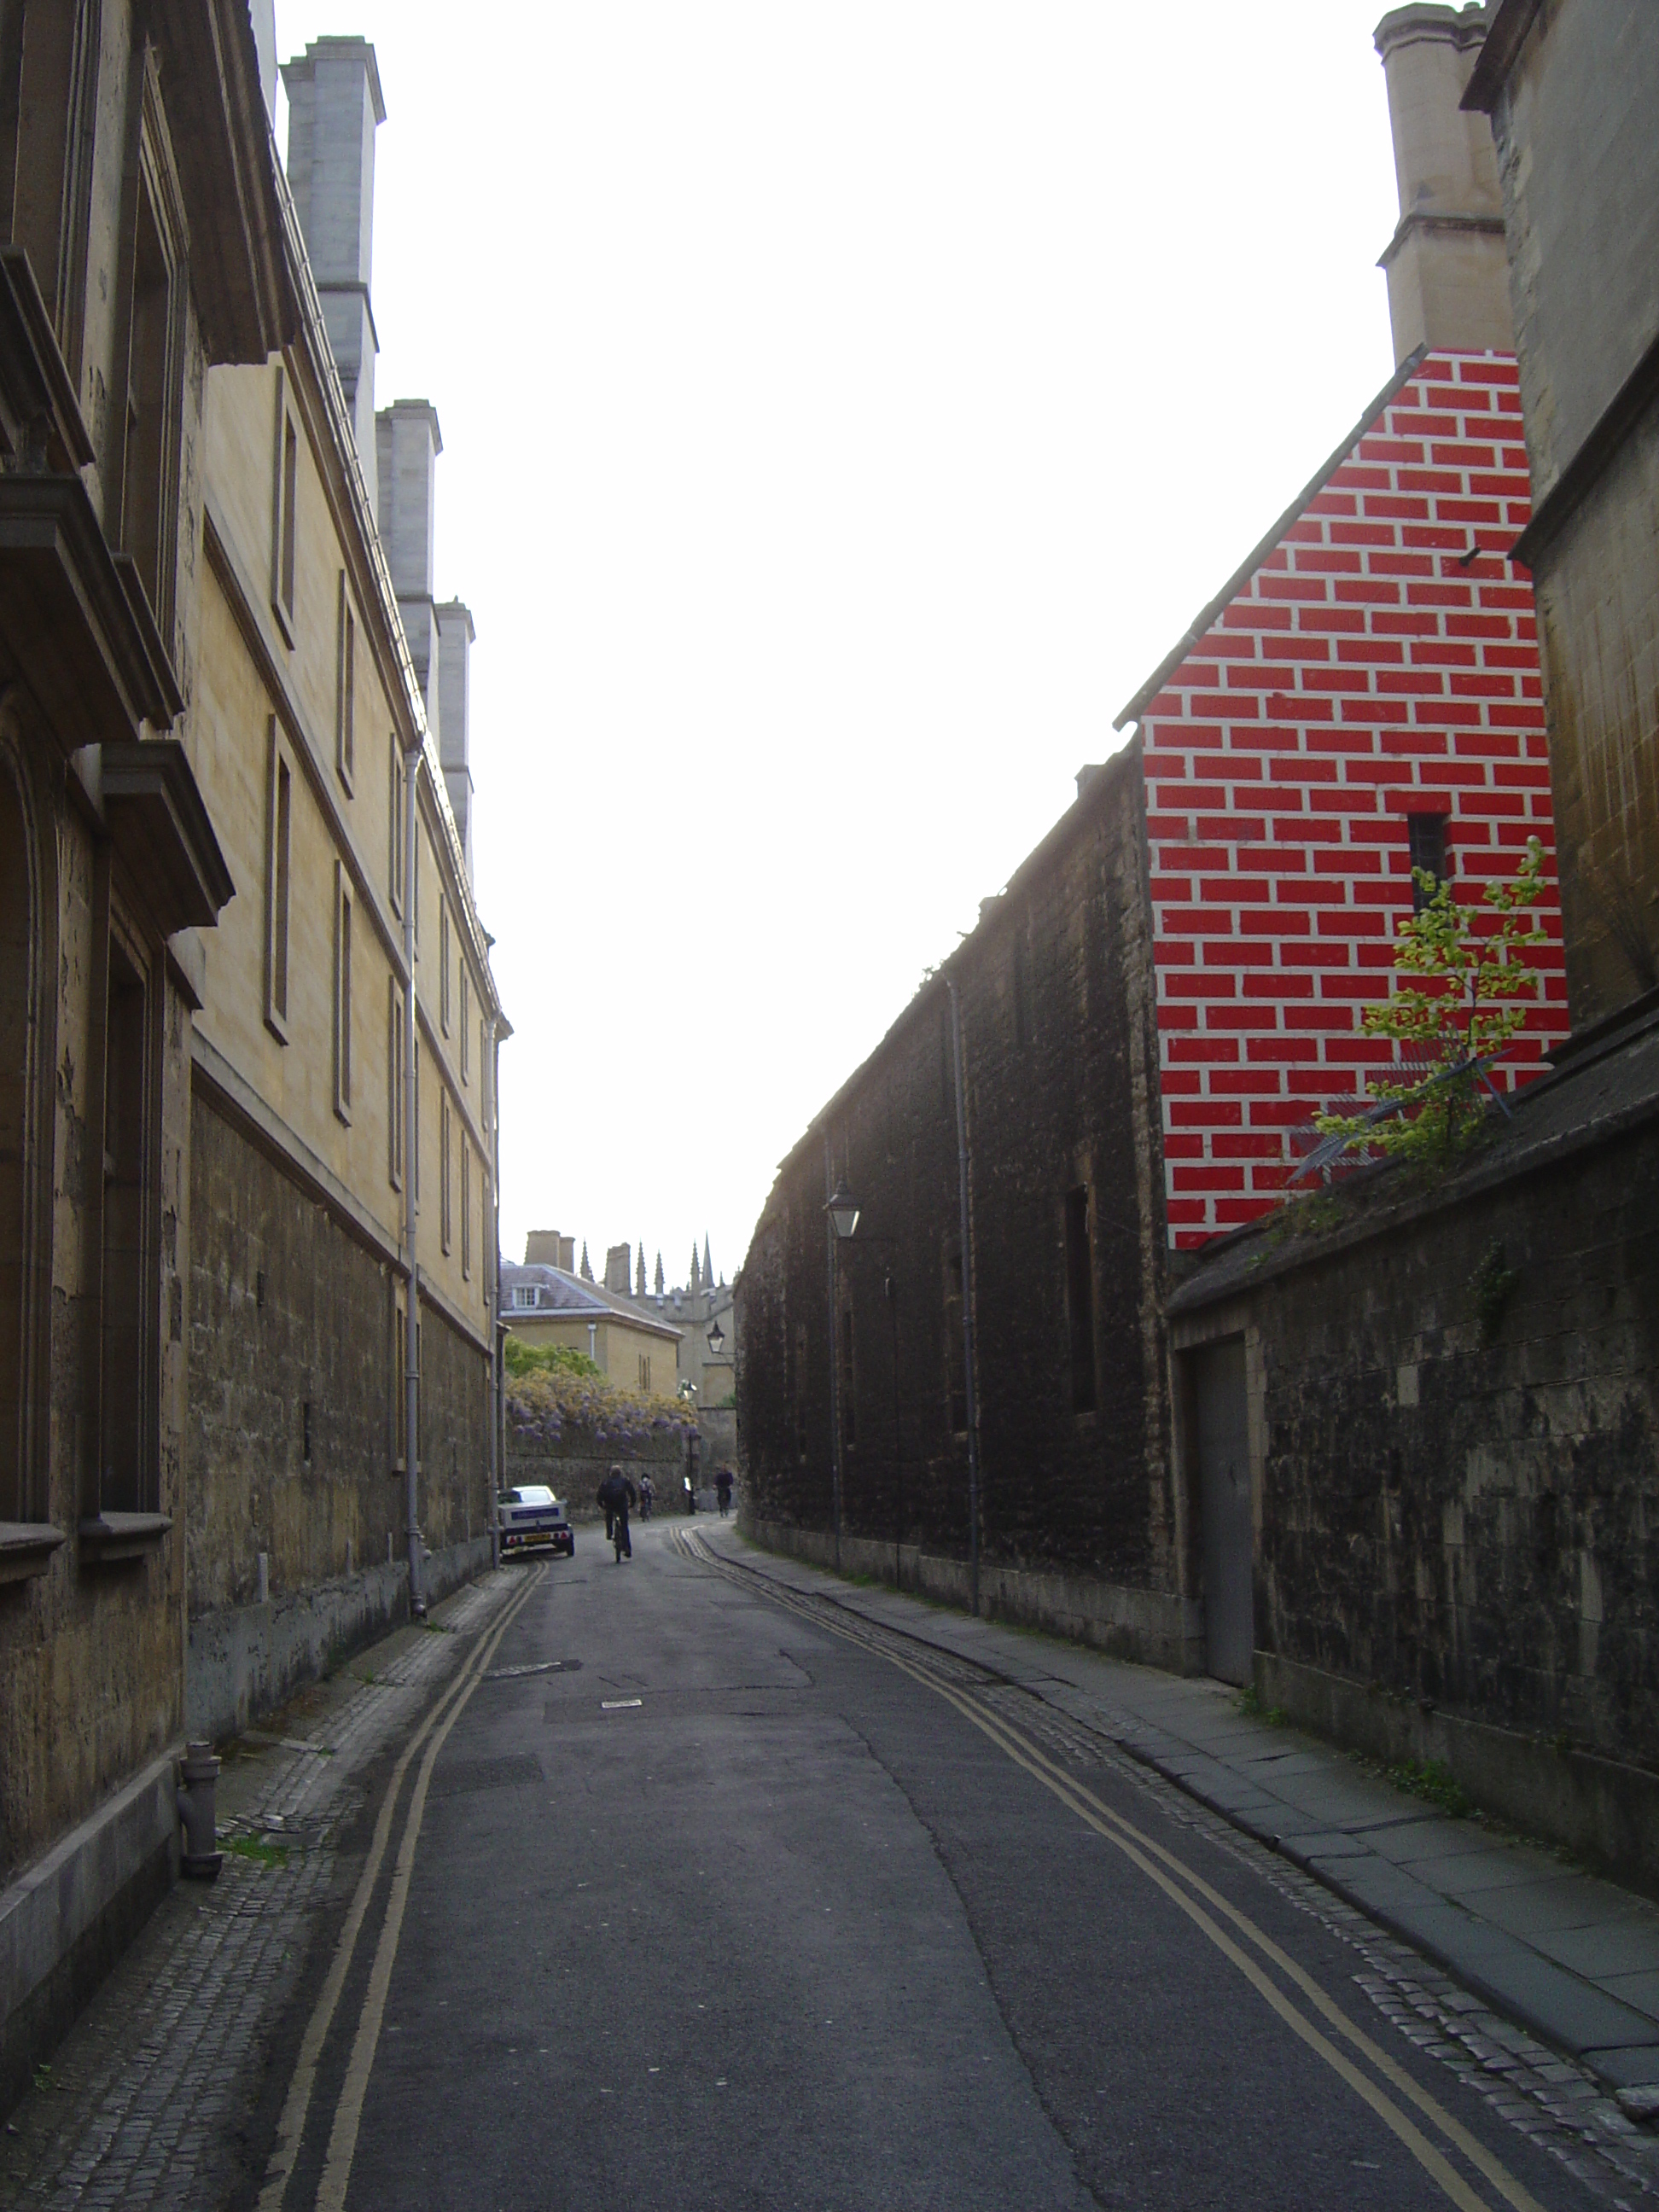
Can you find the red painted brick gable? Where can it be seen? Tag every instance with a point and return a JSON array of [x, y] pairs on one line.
[[1365, 670]]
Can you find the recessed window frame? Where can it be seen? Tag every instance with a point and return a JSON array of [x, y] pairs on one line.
[[280, 780], [345, 681], [152, 401], [1080, 1300], [394, 1083], [343, 923], [443, 963], [126, 1475], [1428, 848], [445, 1147], [466, 1207], [285, 520], [466, 1023]]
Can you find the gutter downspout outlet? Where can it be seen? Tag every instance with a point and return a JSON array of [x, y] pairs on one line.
[[198, 1776]]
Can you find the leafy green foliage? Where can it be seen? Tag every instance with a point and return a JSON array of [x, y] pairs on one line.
[[1431, 1778], [521, 1358], [1460, 1009]]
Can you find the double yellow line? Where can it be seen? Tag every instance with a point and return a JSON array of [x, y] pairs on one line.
[[1207, 1909], [347, 2114]]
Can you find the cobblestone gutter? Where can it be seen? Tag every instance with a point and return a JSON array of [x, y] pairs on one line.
[[151, 2098]]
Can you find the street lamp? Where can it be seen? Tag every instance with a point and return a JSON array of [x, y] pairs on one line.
[[842, 1210], [716, 1340]]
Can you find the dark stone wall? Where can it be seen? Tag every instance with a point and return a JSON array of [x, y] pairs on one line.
[[1460, 1489], [1060, 1050]]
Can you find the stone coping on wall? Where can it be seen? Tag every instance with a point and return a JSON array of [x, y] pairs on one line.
[[1153, 1628], [1609, 1091]]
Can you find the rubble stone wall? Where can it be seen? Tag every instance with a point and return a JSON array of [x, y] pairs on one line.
[[1061, 1054]]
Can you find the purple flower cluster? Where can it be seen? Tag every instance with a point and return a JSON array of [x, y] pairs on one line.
[[540, 1409]]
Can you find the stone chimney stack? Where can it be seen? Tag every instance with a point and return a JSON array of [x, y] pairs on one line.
[[1446, 266], [618, 1274], [334, 108], [455, 637], [407, 443]]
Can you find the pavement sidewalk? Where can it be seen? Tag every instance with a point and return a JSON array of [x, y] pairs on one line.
[[151, 2099], [1573, 1958]]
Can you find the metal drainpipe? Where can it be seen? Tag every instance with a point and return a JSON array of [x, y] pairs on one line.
[[835, 1342], [968, 1389], [412, 1137], [500, 1331], [492, 1307]]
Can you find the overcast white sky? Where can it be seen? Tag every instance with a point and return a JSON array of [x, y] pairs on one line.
[[844, 407]]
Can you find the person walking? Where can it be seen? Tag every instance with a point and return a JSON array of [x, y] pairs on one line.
[[723, 1490], [647, 1496]]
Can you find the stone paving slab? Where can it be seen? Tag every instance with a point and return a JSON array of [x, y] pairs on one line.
[[1574, 1959]]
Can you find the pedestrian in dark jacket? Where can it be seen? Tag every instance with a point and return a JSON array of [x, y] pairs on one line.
[[723, 1489]]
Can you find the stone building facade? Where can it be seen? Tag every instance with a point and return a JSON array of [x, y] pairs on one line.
[[315, 730], [1443, 1404], [1580, 173], [142, 251], [214, 741], [1171, 1459]]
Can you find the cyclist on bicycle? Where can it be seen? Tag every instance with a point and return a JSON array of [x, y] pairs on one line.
[[617, 1495]]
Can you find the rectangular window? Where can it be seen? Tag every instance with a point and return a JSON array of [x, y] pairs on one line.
[[279, 839], [443, 963], [443, 1169], [849, 1376], [483, 1077], [1427, 834], [645, 1371], [395, 782], [410, 800], [955, 1372], [524, 1296], [124, 1403], [285, 494], [394, 1082], [345, 741], [149, 482], [466, 1023], [398, 1364], [341, 992], [1080, 1299], [466, 1210], [415, 1163], [799, 1391]]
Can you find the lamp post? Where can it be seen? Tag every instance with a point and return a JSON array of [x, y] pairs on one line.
[[842, 1219], [716, 1340]]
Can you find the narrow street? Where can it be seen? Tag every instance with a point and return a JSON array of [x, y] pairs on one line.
[[688, 1895]]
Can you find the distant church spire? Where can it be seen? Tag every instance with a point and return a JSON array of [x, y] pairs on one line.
[[660, 1275], [587, 1272], [707, 1265], [695, 1277]]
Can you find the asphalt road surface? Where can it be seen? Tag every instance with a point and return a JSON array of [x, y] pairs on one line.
[[683, 1899]]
